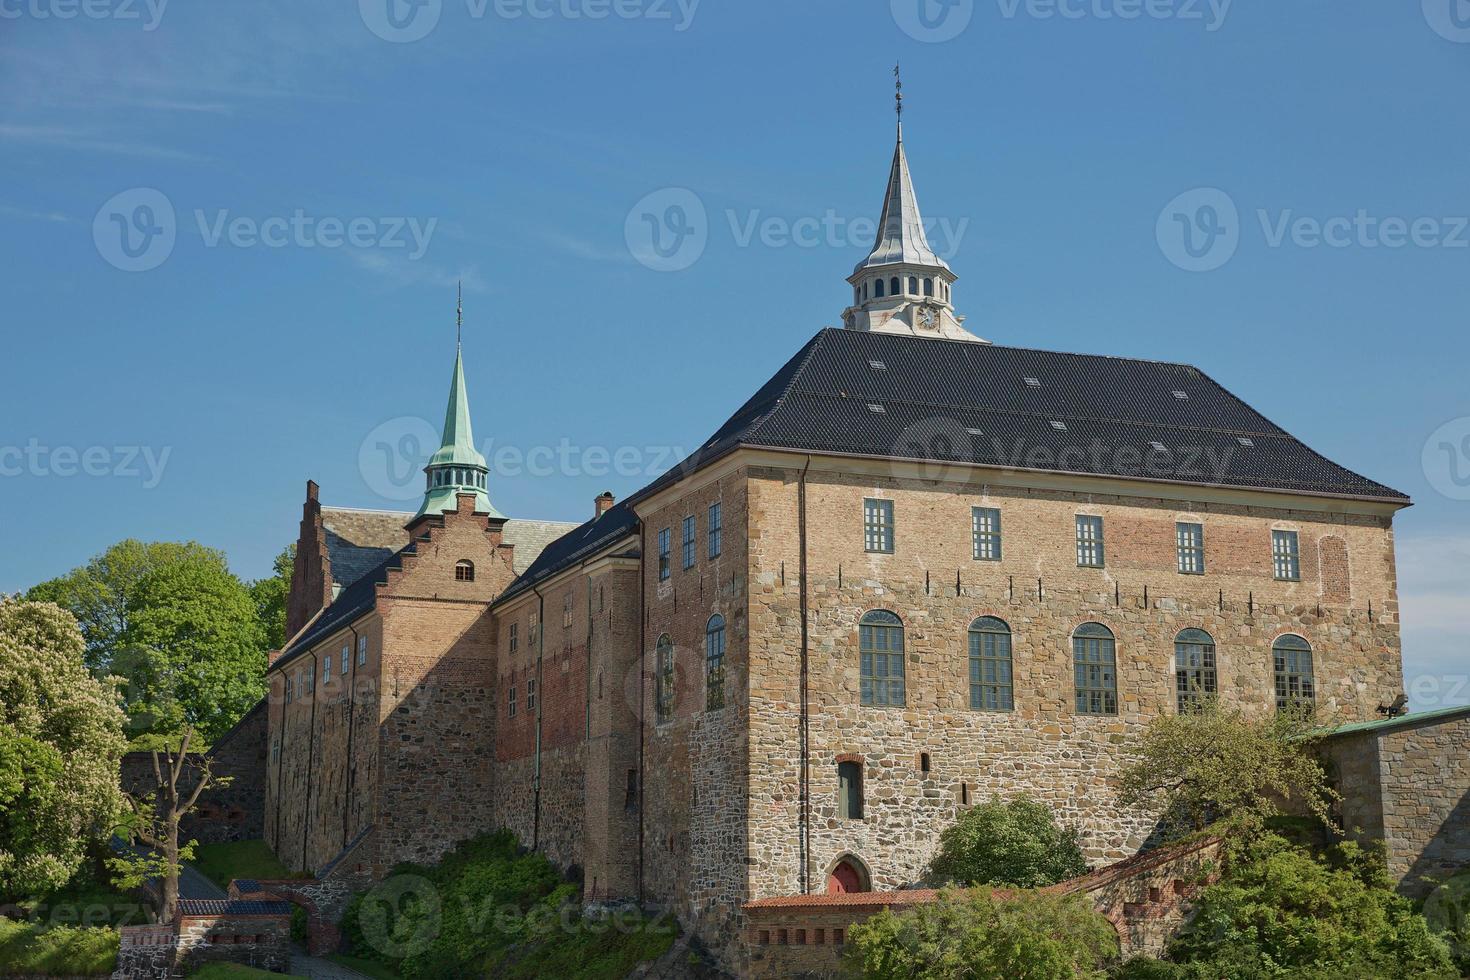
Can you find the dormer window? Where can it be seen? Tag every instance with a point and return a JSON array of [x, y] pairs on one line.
[[464, 570]]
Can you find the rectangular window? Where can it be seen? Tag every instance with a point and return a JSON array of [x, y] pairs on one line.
[[362, 651], [688, 550], [1286, 555], [1089, 541], [663, 555], [1195, 678], [511, 705], [1095, 658], [289, 687], [991, 683], [882, 667], [531, 694], [346, 659], [714, 531], [850, 790], [531, 632], [327, 668], [878, 526], [566, 610], [515, 637], [1191, 538], [985, 533]]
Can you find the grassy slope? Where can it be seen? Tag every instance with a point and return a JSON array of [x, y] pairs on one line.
[[239, 859], [56, 950]]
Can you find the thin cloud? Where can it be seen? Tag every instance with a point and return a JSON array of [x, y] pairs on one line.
[[90, 141], [54, 216], [402, 271], [581, 248]]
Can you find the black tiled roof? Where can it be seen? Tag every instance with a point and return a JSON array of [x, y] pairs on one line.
[[350, 561], [587, 539], [956, 402], [232, 906]]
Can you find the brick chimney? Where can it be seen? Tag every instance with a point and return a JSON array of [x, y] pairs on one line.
[[603, 503]]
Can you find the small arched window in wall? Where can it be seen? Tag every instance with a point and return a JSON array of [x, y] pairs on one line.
[[1295, 684], [914, 285], [991, 687], [464, 570], [928, 287], [664, 678], [893, 286], [714, 652], [1095, 663], [850, 790], [878, 288], [1194, 668]]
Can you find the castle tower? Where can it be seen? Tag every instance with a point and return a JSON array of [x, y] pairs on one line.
[[903, 286], [457, 467]]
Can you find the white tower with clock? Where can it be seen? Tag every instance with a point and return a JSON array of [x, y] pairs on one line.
[[903, 286]]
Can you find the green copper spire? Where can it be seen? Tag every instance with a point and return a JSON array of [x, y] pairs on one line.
[[457, 467]]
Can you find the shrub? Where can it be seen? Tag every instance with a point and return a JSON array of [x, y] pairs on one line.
[[56, 951], [983, 934], [1281, 911], [1008, 842]]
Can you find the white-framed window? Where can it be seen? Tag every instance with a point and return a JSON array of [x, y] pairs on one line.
[[511, 702], [985, 533], [1286, 556], [1191, 543], [362, 651], [530, 694], [290, 688], [346, 660], [878, 525], [1090, 541], [714, 531], [327, 667]]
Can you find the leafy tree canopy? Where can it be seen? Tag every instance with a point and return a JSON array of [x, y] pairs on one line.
[[1008, 842], [1212, 764], [270, 595], [61, 741], [984, 934]]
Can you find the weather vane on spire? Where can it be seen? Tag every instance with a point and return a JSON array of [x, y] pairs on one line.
[[898, 93], [459, 317]]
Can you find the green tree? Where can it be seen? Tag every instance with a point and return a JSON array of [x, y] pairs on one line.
[[270, 596], [61, 742], [1280, 911], [1008, 842], [193, 650], [980, 935], [100, 593], [1211, 764]]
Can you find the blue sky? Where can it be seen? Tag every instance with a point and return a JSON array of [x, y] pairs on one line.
[[301, 185]]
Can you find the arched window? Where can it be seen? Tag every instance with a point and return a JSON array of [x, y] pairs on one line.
[[714, 654], [914, 285], [893, 286], [857, 296], [848, 875], [850, 790], [878, 288], [464, 570], [928, 287], [991, 687], [1095, 662], [664, 677], [880, 636], [1294, 682], [1194, 668]]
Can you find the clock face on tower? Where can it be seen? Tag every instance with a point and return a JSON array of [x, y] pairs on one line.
[[929, 318]]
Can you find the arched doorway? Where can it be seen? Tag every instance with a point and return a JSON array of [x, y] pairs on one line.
[[848, 875]]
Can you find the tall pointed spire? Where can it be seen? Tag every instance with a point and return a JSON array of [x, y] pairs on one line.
[[903, 286], [457, 467]]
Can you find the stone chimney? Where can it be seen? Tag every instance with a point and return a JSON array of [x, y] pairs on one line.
[[603, 503]]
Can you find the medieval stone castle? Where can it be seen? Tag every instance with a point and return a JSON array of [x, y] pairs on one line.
[[913, 571]]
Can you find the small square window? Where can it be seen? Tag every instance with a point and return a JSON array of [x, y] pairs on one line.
[[878, 526]]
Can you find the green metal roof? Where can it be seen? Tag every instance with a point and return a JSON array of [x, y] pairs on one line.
[[1402, 721], [457, 458]]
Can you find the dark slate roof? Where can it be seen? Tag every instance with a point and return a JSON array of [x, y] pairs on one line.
[[586, 540], [232, 906], [959, 402]]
